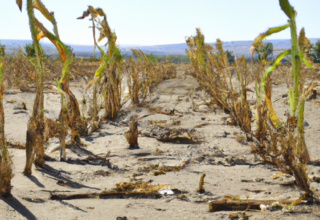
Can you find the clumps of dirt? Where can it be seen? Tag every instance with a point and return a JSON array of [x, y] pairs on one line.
[[173, 135], [102, 173], [158, 169]]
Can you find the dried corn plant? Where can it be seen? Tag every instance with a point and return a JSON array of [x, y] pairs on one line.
[[18, 69], [278, 143], [34, 143], [36, 126], [225, 83], [283, 144], [70, 115], [112, 59], [6, 173], [144, 72]]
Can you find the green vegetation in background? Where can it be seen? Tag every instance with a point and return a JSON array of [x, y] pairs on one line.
[[314, 52], [2, 50], [30, 50], [230, 56], [264, 50], [173, 59]]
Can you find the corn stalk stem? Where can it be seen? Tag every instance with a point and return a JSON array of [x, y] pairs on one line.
[[296, 66], [36, 121], [63, 129], [38, 105], [5, 161]]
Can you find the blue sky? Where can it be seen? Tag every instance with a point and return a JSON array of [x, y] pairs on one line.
[[155, 22]]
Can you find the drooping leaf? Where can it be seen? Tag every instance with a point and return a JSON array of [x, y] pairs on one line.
[[99, 11], [19, 3], [270, 68], [104, 55], [287, 8], [37, 4], [307, 63], [98, 71], [84, 14], [55, 40], [102, 36], [90, 83], [274, 119], [67, 62], [95, 12], [270, 31]]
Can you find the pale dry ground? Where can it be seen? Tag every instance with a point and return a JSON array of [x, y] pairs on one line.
[[220, 179]]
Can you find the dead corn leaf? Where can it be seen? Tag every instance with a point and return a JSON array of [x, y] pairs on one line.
[[276, 175], [202, 125]]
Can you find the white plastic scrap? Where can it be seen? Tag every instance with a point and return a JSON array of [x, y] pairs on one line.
[[165, 190], [265, 207]]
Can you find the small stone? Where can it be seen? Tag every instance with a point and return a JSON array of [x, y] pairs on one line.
[[219, 163], [203, 118], [161, 165], [316, 179], [259, 179], [246, 181], [230, 160], [305, 124]]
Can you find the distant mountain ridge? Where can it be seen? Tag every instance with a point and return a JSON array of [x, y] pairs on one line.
[[237, 47]]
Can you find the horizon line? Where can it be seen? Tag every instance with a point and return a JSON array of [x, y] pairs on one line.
[[141, 45]]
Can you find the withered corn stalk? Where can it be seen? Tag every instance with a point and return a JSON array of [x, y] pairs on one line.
[[34, 143], [145, 73], [287, 139], [6, 173], [280, 144], [112, 60], [36, 126], [217, 78]]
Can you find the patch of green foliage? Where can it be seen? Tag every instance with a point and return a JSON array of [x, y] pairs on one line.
[[173, 59], [264, 50], [230, 56], [2, 50], [314, 52], [30, 51]]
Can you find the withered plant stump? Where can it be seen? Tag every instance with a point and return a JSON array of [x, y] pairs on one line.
[[132, 134]]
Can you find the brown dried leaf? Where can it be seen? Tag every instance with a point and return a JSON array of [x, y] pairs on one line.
[[85, 14], [19, 3]]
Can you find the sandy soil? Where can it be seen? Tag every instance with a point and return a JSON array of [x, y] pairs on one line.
[[31, 195]]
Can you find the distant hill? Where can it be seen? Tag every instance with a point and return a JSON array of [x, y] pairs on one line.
[[237, 47]]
